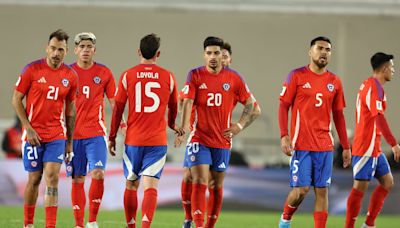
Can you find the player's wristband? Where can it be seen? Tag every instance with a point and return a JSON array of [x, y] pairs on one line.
[[239, 126]]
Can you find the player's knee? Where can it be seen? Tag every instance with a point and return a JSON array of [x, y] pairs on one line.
[[388, 185], [302, 192], [199, 180], [98, 174], [52, 179], [35, 180]]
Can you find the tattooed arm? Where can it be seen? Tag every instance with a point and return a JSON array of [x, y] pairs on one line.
[[70, 115], [244, 121]]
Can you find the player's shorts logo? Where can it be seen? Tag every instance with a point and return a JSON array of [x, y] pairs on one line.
[[331, 87], [192, 158], [226, 86], [65, 82], [69, 168], [97, 80], [294, 178], [33, 163]]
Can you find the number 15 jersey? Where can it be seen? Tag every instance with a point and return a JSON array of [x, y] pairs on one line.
[[215, 96], [312, 98], [149, 89]]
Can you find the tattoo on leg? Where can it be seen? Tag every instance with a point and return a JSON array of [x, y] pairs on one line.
[[51, 191]]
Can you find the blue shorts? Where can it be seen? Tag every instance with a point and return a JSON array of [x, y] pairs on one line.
[[35, 156], [197, 154], [92, 151], [144, 161], [364, 168], [308, 168]]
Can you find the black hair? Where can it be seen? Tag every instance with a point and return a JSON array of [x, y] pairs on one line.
[[227, 46], [320, 38], [149, 45], [213, 41], [379, 59], [60, 35]]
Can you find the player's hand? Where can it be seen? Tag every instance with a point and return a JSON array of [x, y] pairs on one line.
[[33, 137], [286, 145], [123, 127], [346, 158], [111, 147], [69, 154], [396, 152], [179, 130], [233, 130], [178, 140]]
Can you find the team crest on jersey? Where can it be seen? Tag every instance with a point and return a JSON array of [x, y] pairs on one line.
[[97, 80], [331, 87], [226, 86], [65, 82]]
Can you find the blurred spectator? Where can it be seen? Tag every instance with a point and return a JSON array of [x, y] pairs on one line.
[[11, 143]]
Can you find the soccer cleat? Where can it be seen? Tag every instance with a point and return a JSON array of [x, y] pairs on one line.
[[29, 226], [187, 224], [92, 225], [284, 223], [366, 226]]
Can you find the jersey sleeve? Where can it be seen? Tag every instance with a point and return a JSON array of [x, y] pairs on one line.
[[173, 102], [190, 88], [243, 92], [121, 94], [375, 100], [289, 88], [71, 96], [339, 102], [24, 80], [110, 86]]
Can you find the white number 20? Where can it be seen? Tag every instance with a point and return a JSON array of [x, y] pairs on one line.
[[319, 99], [214, 99]]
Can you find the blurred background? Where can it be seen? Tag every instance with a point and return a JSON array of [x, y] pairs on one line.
[[269, 38]]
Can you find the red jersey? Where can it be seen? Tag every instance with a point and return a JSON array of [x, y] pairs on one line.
[[312, 98], [149, 89], [215, 96], [47, 90], [93, 84], [371, 100]]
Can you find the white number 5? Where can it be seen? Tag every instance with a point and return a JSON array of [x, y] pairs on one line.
[[319, 99]]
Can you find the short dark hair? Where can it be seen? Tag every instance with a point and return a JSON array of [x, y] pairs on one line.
[[149, 45], [379, 59], [60, 35], [320, 38], [227, 46], [213, 41]]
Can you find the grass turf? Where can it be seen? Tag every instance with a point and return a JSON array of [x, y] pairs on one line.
[[11, 217]]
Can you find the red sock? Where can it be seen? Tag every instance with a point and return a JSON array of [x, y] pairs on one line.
[[198, 203], [288, 211], [29, 214], [214, 206], [51, 216], [78, 199], [376, 204], [353, 207], [186, 193], [130, 205], [95, 196], [320, 218], [149, 206]]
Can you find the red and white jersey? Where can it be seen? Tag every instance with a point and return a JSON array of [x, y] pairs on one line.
[[149, 89], [312, 98], [371, 100], [47, 90], [215, 96], [93, 84]]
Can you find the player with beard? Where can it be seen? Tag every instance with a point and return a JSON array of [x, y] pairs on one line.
[[313, 93]]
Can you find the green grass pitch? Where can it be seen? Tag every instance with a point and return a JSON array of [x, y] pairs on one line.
[[11, 217]]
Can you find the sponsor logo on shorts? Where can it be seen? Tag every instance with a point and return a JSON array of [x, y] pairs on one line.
[[69, 168], [99, 163], [192, 158], [222, 165]]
